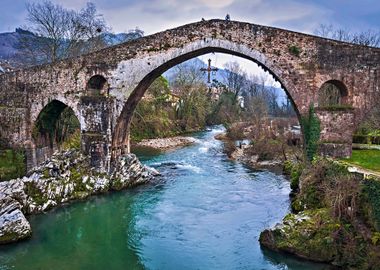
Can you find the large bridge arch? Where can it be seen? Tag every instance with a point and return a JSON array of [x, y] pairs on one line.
[[162, 62]]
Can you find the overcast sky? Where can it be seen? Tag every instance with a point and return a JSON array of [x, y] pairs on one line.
[[156, 15]]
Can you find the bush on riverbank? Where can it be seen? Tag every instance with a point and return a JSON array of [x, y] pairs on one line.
[[12, 164], [269, 141], [335, 211], [268, 149]]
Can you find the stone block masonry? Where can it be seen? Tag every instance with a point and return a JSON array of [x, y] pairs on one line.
[[121, 74]]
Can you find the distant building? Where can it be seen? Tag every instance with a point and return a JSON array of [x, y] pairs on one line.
[[171, 98], [215, 92], [241, 101]]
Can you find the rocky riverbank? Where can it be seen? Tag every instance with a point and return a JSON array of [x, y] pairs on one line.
[[335, 217], [65, 177], [167, 143]]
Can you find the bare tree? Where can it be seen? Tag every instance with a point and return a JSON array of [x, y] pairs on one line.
[[367, 38], [60, 33], [256, 85], [234, 78], [188, 75], [86, 29]]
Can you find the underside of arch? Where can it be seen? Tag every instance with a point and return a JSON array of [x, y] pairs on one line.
[[120, 140]]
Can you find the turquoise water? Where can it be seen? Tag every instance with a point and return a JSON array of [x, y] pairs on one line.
[[205, 212]]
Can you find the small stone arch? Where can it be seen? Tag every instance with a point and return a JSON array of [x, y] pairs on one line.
[[97, 85], [332, 93], [46, 132]]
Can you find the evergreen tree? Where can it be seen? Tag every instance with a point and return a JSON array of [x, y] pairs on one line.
[[312, 130]]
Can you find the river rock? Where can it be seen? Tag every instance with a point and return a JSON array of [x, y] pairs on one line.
[[308, 235], [13, 224], [129, 172]]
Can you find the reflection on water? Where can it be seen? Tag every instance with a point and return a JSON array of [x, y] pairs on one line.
[[205, 212]]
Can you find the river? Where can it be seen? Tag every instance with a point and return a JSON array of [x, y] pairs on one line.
[[205, 212]]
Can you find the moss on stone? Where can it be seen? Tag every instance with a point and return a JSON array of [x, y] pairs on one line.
[[295, 50], [46, 173], [12, 237], [36, 194], [80, 195], [117, 184], [307, 235], [76, 176]]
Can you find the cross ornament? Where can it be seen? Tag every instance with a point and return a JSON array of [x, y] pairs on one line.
[[209, 69]]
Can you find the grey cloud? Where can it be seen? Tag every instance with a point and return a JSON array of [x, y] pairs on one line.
[[157, 15]]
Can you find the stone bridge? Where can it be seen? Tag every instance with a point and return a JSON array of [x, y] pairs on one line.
[[104, 87]]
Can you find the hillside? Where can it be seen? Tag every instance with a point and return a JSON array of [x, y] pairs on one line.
[[12, 55]]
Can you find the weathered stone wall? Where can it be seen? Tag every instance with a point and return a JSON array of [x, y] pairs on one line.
[[337, 127], [97, 113], [13, 124], [302, 63]]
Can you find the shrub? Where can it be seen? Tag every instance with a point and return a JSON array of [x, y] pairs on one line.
[[295, 176], [341, 194], [72, 142], [266, 149], [295, 50], [12, 164], [319, 184], [371, 201]]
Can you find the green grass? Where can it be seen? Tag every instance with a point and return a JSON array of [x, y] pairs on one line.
[[12, 164], [368, 159]]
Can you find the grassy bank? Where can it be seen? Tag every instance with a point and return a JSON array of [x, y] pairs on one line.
[[367, 159]]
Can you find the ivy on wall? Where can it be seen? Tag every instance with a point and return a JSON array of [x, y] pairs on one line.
[[312, 130]]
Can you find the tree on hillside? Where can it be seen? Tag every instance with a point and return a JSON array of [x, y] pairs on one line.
[[367, 38], [60, 33]]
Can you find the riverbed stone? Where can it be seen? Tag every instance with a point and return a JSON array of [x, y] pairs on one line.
[[13, 224], [167, 143]]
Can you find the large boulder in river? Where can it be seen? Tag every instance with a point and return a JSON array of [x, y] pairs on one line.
[[307, 235], [13, 224], [129, 171]]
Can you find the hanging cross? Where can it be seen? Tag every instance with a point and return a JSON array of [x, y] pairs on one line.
[[209, 69]]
